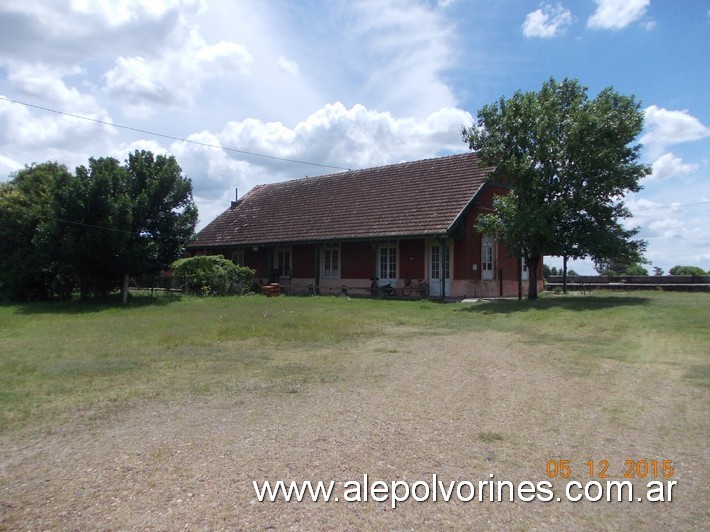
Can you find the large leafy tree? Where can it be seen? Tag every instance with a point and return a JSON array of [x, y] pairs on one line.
[[111, 221], [25, 202], [569, 160]]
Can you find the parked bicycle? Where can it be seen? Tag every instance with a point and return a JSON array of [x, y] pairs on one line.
[[420, 288], [376, 289]]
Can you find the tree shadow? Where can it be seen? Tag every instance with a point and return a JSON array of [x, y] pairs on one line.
[[99, 304], [576, 303]]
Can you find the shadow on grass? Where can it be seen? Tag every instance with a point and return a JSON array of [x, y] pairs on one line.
[[113, 301], [699, 375], [581, 303]]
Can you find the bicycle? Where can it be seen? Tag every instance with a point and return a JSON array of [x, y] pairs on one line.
[[376, 290], [421, 287]]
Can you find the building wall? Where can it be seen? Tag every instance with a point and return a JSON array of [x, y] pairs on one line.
[[357, 260], [303, 261], [412, 259], [256, 259]]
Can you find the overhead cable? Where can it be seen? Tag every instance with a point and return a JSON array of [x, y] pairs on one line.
[[171, 137]]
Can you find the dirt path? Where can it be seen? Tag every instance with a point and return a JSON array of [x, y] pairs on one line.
[[461, 407]]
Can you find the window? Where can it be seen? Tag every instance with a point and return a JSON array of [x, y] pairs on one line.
[[283, 262], [238, 256], [436, 262], [524, 274], [331, 262], [388, 261], [488, 258]]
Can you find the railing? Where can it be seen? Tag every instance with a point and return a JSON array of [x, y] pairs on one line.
[[695, 283]]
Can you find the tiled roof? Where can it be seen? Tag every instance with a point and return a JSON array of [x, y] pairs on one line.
[[409, 199]]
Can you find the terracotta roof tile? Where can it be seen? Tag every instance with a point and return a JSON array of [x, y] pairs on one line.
[[415, 198]]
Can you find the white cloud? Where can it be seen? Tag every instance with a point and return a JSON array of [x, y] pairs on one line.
[[665, 128], [8, 166], [118, 12], [350, 138], [288, 66], [407, 46], [46, 83], [175, 77], [672, 229], [25, 133], [617, 14], [547, 21], [668, 165], [66, 33]]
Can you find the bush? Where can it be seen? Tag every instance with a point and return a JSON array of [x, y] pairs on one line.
[[686, 270], [212, 275]]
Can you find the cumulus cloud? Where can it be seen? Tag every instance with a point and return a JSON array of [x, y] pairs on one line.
[[24, 134], [547, 21], [668, 165], [59, 34], [157, 51], [617, 14], [175, 77], [350, 138], [666, 127], [671, 227]]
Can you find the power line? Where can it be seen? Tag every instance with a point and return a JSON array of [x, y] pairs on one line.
[[180, 139], [664, 207], [70, 222]]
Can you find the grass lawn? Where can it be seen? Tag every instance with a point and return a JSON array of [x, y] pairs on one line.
[[492, 387]]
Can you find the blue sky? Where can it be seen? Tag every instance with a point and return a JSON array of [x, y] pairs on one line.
[[351, 85]]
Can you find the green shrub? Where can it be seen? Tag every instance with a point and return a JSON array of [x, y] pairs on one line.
[[687, 270], [212, 275]]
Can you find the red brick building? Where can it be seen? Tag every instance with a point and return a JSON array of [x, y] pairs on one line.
[[404, 221]]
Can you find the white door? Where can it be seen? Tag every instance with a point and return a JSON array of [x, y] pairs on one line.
[[439, 269], [387, 264]]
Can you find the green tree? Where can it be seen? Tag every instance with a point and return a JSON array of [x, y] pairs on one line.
[[620, 268], [25, 202], [568, 161], [547, 271], [687, 270], [113, 221]]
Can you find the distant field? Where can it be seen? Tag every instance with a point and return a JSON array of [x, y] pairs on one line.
[[161, 414]]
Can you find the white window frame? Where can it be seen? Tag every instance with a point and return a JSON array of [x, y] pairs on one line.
[[488, 257], [389, 251], [330, 261], [435, 264], [524, 273], [440, 262]]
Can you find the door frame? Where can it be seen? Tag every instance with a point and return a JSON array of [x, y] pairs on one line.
[[444, 267]]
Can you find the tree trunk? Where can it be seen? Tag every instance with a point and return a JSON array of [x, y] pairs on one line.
[[124, 289], [564, 274], [533, 264]]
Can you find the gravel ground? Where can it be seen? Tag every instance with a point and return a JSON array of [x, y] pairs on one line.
[[406, 407]]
